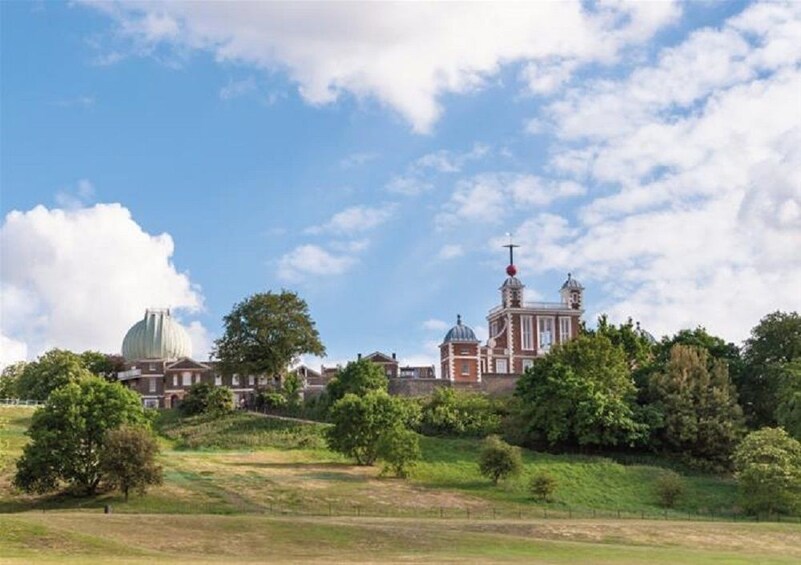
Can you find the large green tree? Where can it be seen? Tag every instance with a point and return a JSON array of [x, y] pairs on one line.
[[50, 371], [788, 408], [359, 378], [581, 393], [128, 460], [9, 379], [103, 364], [768, 465], [774, 342], [359, 423], [68, 432], [265, 332], [698, 406], [637, 345]]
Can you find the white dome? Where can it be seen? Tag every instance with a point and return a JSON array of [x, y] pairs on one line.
[[156, 336]]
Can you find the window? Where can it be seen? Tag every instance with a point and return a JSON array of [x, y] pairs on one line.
[[235, 380], [465, 368], [528, 363], [151, 402], [493, 329], [217, 380], [186, 378], [465, 352], [151, 385], [546, 332], [251, 380], [527, 333], [564, 329], [175, 380], [151, 367], [501, 366]]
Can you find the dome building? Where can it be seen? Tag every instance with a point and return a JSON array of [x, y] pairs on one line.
[[159, 364]]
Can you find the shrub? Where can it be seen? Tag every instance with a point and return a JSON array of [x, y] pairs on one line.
[[359, 378], [768, 465], [459, 413], [669, 488], [204, 398], [400, 449], [271, 400], [499, 460], [542, 486]]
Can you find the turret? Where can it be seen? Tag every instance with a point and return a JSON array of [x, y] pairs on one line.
[[572, 293]]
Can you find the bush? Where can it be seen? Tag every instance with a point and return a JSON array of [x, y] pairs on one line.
[[499, 460], [669, 488], [128, 460], [400, 449], [768, 465], [271, 401], [542, 486], [459, 413], [204, 398], [359, 378]]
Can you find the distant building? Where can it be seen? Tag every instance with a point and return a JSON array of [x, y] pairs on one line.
[[519, 332]]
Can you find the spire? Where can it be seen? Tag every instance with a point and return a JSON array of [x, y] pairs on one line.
[[458, 319], [511, 270]]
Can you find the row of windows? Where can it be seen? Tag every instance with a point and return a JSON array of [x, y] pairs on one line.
[[188, 379], [545, 333]]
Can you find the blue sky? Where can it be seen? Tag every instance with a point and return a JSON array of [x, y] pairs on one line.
[[372, 157]]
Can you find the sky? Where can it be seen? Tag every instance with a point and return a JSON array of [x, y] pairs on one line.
[[373, 157]]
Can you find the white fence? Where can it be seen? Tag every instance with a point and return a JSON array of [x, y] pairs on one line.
[[18, 402]]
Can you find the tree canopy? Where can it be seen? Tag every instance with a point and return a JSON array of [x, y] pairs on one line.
[[128, 460], [581, 393], [9, 379], [359, 378], [50, 371], [265, 332], [68, 432]]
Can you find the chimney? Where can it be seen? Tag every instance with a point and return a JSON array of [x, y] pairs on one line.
[[358, 356]]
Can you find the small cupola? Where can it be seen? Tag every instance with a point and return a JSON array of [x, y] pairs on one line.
[[572, 293]]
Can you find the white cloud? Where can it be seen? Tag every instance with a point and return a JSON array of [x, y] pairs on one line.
[[699, 157], [451, 251], [307, 262], [79, 278], [436, 325], [238, 88], [404, 55], [408, 185], [356, 219], [202, 340], [489, 198], [11, 351]]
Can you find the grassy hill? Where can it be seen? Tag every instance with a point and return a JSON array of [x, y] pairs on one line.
[[274, 488]]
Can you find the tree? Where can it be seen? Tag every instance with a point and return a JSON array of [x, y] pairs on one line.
[[698, 405], [128, 460], [359, 422], [264, 333], [103, 364], [788, 409], [3, 445], [669, 488], [774, 342], [449, 412], [68, 432], [581, 393], [637, 345], [204, 398], [359, 378], [768, 471], [9, 379], [50, 371], [400, 449], [542, 486], [499, 460]]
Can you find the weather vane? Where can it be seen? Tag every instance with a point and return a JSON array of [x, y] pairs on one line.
[[511, 270]]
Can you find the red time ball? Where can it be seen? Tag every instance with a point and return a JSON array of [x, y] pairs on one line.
[[511, 270]]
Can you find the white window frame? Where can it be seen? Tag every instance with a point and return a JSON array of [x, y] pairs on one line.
[[235, 380], [217, 380], [545, 336], [528, 363], [493, 328], [151, 385], [501, 366], [465, 368], [527, 333], [251, 380], [565, 329], [175, 380], [186, 378]]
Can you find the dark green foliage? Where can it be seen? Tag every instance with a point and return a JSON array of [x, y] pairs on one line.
[[449, 412], [768, 464], [103, 364], [205, 398], [359, 378], [128, 460], [265, 332], [774, 342], [360, 421], [700, 416], [267, 400], [581, 394], [68, 433], [716, 348], [788, 411], [542, 486], [499, 460], [50, 371], [636, 344], [399, 448], [669, 488], [9, 379]]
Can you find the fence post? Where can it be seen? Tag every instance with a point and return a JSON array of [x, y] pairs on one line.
[[544, 512], [330, 509], [441, 512], [569, 512], [618, 514], [468, 513]]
